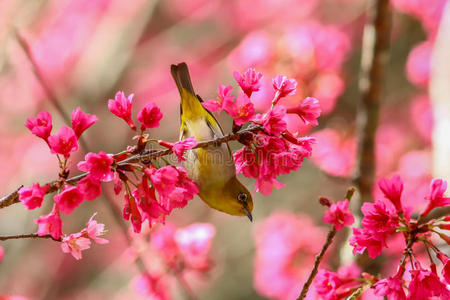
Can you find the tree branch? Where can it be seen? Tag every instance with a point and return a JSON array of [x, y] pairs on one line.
[[147, 155], [28, 236], [375, 50]]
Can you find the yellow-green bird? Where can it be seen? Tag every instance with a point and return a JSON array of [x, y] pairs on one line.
[[211, 168]]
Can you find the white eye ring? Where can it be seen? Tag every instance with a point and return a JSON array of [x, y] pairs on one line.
[[242, 197]]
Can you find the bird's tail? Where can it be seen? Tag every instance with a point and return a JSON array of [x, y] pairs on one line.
[[190, 105], [180, 74]]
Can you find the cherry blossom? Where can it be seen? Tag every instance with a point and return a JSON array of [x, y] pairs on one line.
[[121, 107], [41, 126], [82, 121]]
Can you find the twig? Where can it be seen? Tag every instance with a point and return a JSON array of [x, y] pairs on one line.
[[374, 56], [356, 293], [319, 256], [28, 236], [10, 198], [45, 86], [13, 197]]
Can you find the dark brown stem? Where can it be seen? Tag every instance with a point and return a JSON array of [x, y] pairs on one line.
[[28, 236], [319, 256], [45, 86], [13, 197], [375, 50]]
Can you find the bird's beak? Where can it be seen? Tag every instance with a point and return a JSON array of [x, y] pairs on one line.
[[249, 214]]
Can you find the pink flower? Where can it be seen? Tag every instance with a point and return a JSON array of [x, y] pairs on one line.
[[82, 121], [69, 199], [379, 223], [180, 147], [283, 87], [93, 230], [273, 121], [378, 218], [326, 284], [436, 197], [41, 126], [363, 239], [425, 284], [164, 180], [151, 286], [339, 215], [32, 197], [332, 285], [90, 187], [223, 93], [280, 246], [74, 244], [194, 243], [173, 186], [150, 208], [308, 110], [149, 116], [50, 224], [121, 107], [275, 156], [64, 143], [249, 82], [242, 110], [246, 162], [98, 166], [2, 253], [390, 287], [392, 190]]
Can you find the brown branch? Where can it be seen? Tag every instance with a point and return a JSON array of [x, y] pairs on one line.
[[317, 261], [319, 256], [45, 86], [147, 155], [375, 50], [28, 236]]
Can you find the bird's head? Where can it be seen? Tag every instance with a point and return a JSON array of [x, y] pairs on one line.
[[232, 198]]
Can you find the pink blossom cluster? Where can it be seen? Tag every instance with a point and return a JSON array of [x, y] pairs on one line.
[[274, 150], [156, 193], [159, 190], [382, 220], [64, 143], [184, 250]]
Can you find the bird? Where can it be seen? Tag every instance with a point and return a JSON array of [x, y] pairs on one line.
[[211, 168]]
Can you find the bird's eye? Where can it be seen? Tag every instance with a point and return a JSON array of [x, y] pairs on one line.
[[242, 197]]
